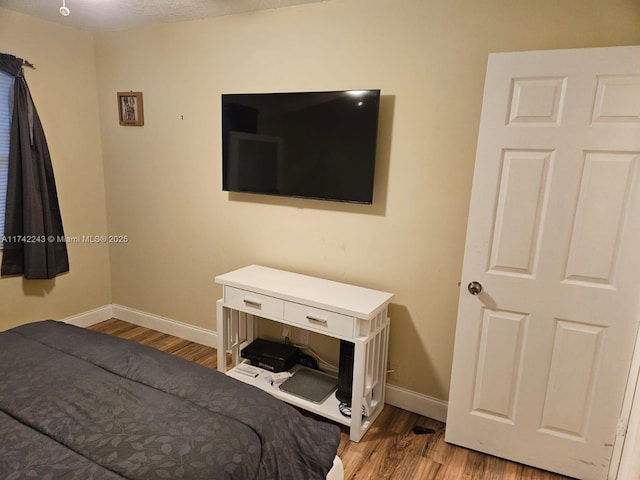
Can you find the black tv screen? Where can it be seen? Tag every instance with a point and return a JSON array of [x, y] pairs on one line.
[[319, 145]]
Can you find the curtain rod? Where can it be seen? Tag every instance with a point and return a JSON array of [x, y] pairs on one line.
[[26, 63]]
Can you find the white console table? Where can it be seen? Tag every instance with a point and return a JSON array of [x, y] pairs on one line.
[[338, 310]]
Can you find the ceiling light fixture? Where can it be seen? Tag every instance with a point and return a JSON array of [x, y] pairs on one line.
[[64, 11]]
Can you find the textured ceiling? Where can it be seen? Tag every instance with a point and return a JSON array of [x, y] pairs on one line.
[[112, 15]]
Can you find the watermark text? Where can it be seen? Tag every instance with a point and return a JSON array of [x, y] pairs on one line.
[[65, 239]]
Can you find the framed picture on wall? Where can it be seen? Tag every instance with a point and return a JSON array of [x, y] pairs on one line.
[[130, 108]]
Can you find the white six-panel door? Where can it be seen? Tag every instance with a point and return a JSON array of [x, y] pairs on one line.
[[542, 353]]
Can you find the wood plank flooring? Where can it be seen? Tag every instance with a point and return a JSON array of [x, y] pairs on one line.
[[389, 450]]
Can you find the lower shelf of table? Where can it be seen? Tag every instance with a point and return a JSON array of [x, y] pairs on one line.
[[327, 409]]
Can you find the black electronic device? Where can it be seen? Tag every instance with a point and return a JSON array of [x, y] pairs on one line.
[[345, 372], [319, 145], [308, 361], [272, 356]]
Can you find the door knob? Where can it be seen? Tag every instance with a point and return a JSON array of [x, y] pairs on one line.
[[474, 288]]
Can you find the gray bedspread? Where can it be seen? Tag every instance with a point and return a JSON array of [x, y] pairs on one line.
[[77, 404]]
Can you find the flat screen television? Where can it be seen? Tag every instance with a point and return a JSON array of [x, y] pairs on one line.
[[319, 145]]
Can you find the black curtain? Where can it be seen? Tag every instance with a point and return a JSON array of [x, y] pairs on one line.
[[35, 245]]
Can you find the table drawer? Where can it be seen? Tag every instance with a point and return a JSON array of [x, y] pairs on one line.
[[255, 303], [315, 319]]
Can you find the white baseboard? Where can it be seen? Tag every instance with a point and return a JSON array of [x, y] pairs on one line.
[[416, 402], [166, 325], [396, 396], [86, 319]]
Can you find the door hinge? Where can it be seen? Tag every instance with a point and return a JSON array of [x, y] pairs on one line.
[[621, 428]]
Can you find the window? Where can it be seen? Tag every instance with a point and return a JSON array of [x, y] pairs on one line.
[[6, 81]]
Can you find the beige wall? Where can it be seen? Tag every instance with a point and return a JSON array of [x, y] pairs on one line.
[[163, 180], [64, 90], [428, 58]]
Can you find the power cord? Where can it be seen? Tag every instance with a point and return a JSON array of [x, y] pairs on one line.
[[322, 363], [345, 409]]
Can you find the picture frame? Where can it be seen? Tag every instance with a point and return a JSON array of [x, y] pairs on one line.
[[130, 109]]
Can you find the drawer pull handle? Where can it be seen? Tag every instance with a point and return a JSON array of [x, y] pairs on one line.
[[251, 303], [320, 321]]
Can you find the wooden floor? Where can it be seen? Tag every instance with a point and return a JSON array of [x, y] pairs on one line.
[[389, 450]]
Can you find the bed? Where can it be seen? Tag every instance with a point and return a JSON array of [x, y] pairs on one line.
[[78, 404]]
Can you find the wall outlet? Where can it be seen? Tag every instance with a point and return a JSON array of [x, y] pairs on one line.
[[392, 371], [303, 336], [286, 331]]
